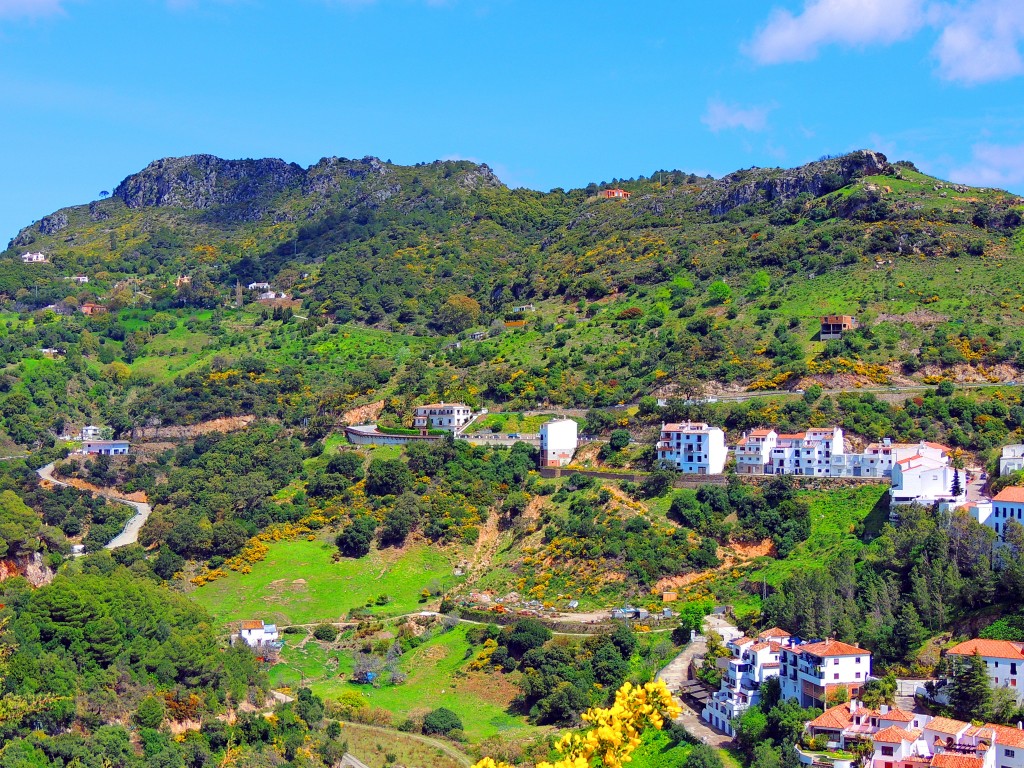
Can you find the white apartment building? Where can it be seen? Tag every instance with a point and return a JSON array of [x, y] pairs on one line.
[[693, 448], [753, 451], [924, 480], [809, 672], [1011, 460], [1004, 661], [558, 441], [1006, 505], [806, 453], [752, 662], [451, 416]]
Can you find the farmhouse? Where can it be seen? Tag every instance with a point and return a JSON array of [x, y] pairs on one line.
[[693, 448], [478, 336], [92, 309], [105, 447], [256, 634], [33, 258], [833, 326], [451, 416], [614, 194], [1011, 460]]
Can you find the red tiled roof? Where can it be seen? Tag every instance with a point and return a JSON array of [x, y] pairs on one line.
[[774, 632], [898, 715], [1011, 737], [258, 624], [834, 718], [910, 459], [946, 725], [938, 446], [1000, 649], [894, 735], [950, 760], [1010, 493], [833, 648], [760, 432]]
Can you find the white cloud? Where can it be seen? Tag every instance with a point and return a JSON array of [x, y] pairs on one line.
[[12, 9], [786, 37], [980, 42], [721, 116], [993, 165]]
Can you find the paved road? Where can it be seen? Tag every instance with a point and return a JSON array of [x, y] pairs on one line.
[[674, 675], [130, 534]]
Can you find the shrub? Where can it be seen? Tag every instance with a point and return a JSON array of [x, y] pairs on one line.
[[441, 720], [326, 632]]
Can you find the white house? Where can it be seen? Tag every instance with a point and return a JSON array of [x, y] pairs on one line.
[[811, 671], [558, 441], [805, 453], [1006, 505], [91, 432], [853, 721], [1004, 661], [451, 416], [33, 258], [259, 286], [924, 480], [752, 662], [106, 447], [270, 295], [256, 634], [1012, 459], [693, 448], [80, 279], [753, 451]]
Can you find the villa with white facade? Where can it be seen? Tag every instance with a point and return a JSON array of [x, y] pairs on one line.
[[450, 416], [1011, 460], [693, 448], [924, 480], [753, 451], [752, 662], [811, 671]]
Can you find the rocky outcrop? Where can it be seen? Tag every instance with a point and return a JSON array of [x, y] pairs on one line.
[[200, 182], [30, 566], [815, 179], [51, 225]]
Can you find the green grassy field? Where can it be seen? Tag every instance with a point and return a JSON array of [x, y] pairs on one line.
[[299, 583], [436, 678], [513, 422]]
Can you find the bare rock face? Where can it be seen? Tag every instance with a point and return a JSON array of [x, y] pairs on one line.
[[815, 179], [51, 225], [199, 182], [30, 566]]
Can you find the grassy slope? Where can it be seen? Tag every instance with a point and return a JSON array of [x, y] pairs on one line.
[[299, 583]]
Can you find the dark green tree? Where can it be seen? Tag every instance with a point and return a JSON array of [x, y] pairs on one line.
[[969, 693]]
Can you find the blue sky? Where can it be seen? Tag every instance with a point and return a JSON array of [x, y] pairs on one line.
[[550, 94]]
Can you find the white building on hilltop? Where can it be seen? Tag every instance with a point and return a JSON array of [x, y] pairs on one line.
[[693, 448], [806, 453], [753, 451], [33, 258], [558, 441]]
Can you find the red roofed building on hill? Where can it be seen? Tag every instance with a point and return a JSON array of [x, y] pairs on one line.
[[1004, 661], [450, 416], [614, 194], [811, 671]]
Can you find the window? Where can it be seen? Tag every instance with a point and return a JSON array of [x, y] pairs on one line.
[[835, 662], [857, 660], [1008, 752], [887, 751], [857, 675], [835, 676]]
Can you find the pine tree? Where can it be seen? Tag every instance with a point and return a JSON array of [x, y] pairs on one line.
[[957, 489], [969, 693]]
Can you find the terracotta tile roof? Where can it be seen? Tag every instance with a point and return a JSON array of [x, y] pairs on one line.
[[1000, 649], [760, 432], [792, 436], [938, 446], [950, 760], [946, 725], [741, 442], [1010, 493], [773, 632], [894, 735], [258, 624], [909, 459], [1010, 737], [833, 648], [834, 718], [897, 715]]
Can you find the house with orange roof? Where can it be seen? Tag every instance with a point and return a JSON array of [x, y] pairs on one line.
[[1003, 659], [753, 451], [753, 661], [809, 672], [693, 448], [1006, 505], [256, 634], [805, 453], [449, 416]]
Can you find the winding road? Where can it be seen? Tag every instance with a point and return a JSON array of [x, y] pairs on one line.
[[130, 534]]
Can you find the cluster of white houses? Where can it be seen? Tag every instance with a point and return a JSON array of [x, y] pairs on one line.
[[920, 472], [810, 672]]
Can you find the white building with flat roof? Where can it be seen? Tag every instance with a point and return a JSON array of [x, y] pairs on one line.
[[924, 480], [693, 448], [811, 671], [1011, 460], [558, 441]]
